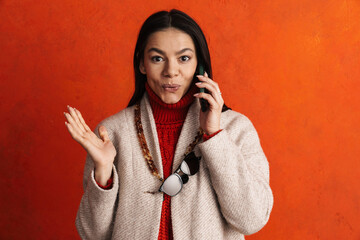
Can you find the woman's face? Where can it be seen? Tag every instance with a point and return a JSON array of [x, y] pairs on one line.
[[169, 64]]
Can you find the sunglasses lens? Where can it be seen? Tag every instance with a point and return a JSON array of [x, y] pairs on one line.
[[185, 168], [172, 185], [192, 164]]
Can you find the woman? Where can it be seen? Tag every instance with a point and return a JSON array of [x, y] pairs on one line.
[[135, 171]]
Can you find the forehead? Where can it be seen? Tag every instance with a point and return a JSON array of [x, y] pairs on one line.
[[170, 39]]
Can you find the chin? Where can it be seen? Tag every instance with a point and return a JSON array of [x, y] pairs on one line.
[[170, 99]]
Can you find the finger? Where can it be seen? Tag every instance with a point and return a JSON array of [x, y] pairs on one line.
[[213, 91], [71, 122], [210, 81], [216, 92], [78, 121], [74, 134], [76, 118], [82, 121], [104, 134], [213, 104]]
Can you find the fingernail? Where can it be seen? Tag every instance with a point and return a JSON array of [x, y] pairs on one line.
[[196, 94], [198, 83], [199, 75]]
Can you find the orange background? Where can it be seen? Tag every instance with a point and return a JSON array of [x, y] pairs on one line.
[[292, 67]]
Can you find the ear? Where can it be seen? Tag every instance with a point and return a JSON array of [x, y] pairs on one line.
[[142, 67]]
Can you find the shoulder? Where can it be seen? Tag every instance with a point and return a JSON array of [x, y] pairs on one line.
[[233, 119], [118, 122], [238, 125], [118, 117]]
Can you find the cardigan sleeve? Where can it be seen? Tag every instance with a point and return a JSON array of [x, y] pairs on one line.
[[239, 174], [108, 184], [97, 208]]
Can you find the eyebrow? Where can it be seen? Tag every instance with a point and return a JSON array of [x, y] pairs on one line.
[[163, 53]]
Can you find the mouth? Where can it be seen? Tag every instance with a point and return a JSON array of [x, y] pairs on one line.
[[170, 87]]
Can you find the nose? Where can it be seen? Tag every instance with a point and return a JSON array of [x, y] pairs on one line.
[[171, 69]]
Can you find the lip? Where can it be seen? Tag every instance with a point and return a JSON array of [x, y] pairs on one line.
[[170, 87]]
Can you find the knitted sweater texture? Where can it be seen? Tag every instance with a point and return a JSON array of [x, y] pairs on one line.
[[228, 198]]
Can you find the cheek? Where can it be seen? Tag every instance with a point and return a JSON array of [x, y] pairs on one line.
[[190, 72], [153, 70]]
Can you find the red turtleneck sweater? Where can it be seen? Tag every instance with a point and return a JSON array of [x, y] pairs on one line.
[[169, 119]]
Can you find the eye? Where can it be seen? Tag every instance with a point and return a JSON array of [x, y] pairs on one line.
[[184, 58], [156, 59]]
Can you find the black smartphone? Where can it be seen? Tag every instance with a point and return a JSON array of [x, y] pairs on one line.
[[204, 103]]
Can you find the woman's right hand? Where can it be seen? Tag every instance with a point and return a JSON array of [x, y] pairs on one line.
[[101, 150]]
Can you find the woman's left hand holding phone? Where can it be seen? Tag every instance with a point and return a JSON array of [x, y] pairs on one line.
[[101, 150], [210, 120]]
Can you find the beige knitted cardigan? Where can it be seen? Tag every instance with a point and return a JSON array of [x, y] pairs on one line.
[[228, 198]]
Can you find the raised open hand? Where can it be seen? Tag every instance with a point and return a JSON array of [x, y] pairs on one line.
[[101, 150]]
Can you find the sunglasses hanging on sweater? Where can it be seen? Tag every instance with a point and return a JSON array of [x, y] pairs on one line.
[[174, 183], [189, 166]]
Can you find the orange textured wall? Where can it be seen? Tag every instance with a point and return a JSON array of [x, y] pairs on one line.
[[292, 67]]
